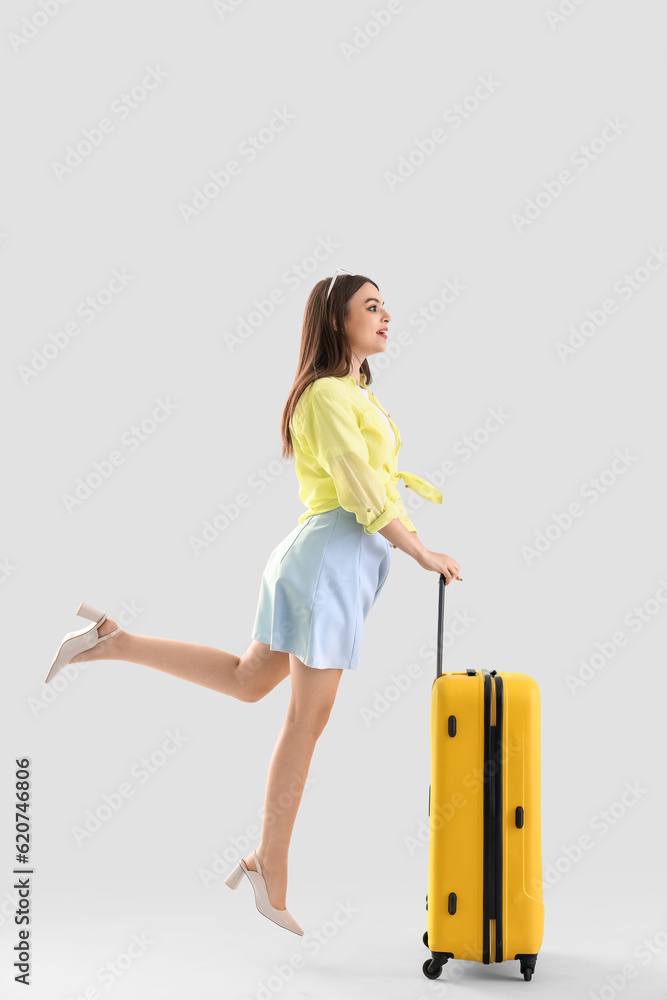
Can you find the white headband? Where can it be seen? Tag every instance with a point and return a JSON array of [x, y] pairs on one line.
[[339, 270]]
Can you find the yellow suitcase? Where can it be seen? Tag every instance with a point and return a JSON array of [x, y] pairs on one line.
[[484, 900]]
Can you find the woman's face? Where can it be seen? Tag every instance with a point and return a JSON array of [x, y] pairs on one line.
[[366, 316]]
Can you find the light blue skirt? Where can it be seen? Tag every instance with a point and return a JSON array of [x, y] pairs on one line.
[[317, 588]]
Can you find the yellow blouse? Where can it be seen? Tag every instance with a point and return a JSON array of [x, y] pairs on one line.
[[345, 457]]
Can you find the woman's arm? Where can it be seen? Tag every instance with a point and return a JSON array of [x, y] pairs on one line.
[[396, 533]]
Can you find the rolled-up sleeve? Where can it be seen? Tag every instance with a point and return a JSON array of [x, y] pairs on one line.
[[330, 429]]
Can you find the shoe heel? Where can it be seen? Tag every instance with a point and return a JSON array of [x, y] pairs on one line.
[[88, 611], [233, 880]]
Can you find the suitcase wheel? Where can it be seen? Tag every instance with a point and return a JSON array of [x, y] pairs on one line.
[[428, 971], [432, 967], [527, 965]]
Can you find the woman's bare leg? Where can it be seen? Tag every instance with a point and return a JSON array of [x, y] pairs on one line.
[[248, 677], [313, 695]]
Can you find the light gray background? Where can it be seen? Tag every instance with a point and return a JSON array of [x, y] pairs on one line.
[[128, 545]]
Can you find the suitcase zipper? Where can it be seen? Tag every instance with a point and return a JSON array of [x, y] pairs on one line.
[[493, 701], [488, 827], [492, 920], [496, 944], [492, 946]]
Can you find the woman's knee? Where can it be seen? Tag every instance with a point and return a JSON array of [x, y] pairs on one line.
[[259, 670], [309, 721]]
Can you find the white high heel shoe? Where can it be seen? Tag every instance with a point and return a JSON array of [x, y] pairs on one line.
[[77, 642], [262, 901]]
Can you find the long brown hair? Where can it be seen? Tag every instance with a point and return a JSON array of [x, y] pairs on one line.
[[325, 348]]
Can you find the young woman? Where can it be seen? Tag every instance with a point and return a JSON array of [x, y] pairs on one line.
[[321, 580]]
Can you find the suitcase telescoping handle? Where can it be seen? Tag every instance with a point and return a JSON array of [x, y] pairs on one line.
[[441, 632], [441, 621]]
